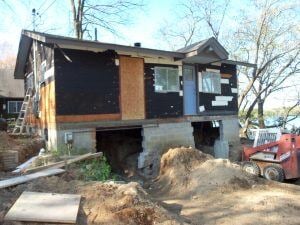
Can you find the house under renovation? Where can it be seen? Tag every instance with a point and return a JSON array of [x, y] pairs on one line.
[[128, 100]]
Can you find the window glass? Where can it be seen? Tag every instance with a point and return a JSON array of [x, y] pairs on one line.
[[211, 82], [14, 106], [166, 79], [173, 82]]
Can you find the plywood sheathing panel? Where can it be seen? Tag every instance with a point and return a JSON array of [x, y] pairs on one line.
[[132, 88], [45, 207], [226, 75], [87, 118]]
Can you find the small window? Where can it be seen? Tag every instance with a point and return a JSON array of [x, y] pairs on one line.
[[211, 82], [166, 79], [14, 107]]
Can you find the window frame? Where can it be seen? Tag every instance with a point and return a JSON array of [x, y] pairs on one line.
[[16, 106], [219, 91], [156, 73]]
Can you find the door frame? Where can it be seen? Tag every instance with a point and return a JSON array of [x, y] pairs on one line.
[[194, 67]]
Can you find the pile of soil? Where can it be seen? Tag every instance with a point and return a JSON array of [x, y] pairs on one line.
[[26, 147], [185, 172], [101, 203], [6, 141]]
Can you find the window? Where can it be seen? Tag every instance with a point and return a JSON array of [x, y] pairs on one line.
[[14, 106], [166, 79], [211, 82]]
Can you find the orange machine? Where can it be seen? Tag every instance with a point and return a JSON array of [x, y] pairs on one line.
[[277, 160]]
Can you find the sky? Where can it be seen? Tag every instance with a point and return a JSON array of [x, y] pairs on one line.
[[16, 15]]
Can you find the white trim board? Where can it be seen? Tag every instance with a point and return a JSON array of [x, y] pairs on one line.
[[219, 103], [234, 90], [224, 81], [224, 98], [202, 108], [212, 70]]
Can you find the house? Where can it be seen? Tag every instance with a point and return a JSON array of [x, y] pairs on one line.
[[129, 100], [11, 93]]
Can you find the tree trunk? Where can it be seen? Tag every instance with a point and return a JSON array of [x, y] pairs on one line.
[[260, 112]]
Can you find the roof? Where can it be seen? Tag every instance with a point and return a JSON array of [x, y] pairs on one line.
[[205, 51]]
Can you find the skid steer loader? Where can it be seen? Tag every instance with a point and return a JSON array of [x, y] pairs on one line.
[[276, 160]]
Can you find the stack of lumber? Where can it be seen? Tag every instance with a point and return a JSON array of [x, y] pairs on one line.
[[8, 160]]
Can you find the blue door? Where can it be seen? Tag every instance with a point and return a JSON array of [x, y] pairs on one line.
[[189, 90]]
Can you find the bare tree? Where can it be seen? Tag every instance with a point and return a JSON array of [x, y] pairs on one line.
[[107, 15], [196, 20], [270, 40]]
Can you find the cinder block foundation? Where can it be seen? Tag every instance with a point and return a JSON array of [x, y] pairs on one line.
[[229, 133], [84, 140], [160, 137]]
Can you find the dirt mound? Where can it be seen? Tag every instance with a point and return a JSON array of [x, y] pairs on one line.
[[187, 172], [101, 203], [6, 141]]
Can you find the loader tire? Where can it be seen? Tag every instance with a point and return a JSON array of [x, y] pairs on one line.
[[251, 167], [274, 172]]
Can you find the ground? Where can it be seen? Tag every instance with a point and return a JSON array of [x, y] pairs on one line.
[[192, 188]]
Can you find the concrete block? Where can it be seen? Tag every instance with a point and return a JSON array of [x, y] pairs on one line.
[[221, 149]]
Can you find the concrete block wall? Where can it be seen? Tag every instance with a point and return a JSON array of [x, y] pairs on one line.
[[229, 133], [159, 138], [83, 139]]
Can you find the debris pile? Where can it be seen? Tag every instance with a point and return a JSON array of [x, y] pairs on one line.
[[186, 172], [101, 203]]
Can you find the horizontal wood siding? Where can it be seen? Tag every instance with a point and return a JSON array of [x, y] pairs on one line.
[[87, 85], [205, 99], [161, 105]]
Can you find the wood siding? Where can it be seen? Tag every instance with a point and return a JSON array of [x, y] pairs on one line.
[[161, 105]]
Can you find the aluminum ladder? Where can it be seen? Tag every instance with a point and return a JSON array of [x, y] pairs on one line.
[[21, 120]]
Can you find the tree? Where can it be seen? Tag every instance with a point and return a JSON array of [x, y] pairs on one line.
[[195, 20], [269, 39], [109, 14]]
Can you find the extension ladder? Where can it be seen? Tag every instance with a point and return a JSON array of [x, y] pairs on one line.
[[21, 121]]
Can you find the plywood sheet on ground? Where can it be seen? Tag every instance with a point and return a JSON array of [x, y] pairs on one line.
[[45, 207], [132, 88], [22, 179]]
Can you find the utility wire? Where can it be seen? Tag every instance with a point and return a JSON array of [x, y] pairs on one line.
[[47, 8]]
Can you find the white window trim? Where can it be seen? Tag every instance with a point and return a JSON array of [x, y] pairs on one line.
[[8, 109], [168, 68], [201, 82]]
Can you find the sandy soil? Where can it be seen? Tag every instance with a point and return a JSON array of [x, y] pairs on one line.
[[192, 188], [101, 203], [214, 191]]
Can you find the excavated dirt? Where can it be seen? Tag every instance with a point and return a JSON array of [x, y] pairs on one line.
[[204, 190], [26, 147], [101, 203]]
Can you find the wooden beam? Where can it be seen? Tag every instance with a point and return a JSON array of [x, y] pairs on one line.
[[23, 179], [64, 163], [87, 118]]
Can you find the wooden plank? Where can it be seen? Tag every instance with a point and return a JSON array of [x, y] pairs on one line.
[[67, 162], [132, 88], [87, 118], [22, 179], [45, 207], [226, 75]]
